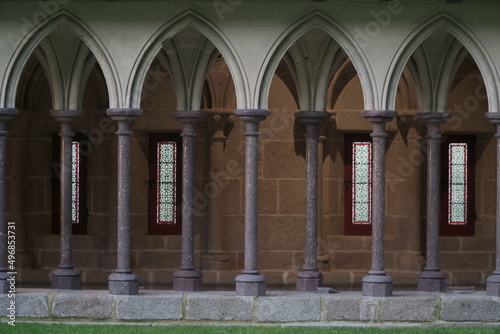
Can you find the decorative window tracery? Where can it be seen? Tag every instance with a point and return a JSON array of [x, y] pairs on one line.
[[458, 183], [357, 184], [165, 195]]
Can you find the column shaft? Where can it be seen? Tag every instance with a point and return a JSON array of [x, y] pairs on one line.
[[65, 277], [187, 278], [250, 283], [431, 278], [377, 283], [6, 114], [309, 278], [493, 281], [122, 281]]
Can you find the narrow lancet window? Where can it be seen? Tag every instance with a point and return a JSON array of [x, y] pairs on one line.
[[75, 182], [457, 184], [361, 182], [166, 182]]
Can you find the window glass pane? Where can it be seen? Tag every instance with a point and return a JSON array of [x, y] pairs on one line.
[[75, 182], [457, 184], [165, 184], [361, 182]]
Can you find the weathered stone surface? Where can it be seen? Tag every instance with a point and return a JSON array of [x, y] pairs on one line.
[[157, 306], [223, 306], [87, 304], [292, 307], [32, 304], [351, 306], [409, 308], [477, 307]]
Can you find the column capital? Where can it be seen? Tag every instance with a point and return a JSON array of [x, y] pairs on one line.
[[379, 116], [124, 114], [219, 123], [66, 115], [252, 115], [433, 117], [6, 114], [188, 116], [313, 116]]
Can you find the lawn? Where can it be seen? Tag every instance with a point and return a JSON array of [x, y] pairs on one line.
[[32, 328]]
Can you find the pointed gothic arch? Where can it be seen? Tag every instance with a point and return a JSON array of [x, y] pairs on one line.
[[316, 19], [170, 29], [464, 36], [38, 33]]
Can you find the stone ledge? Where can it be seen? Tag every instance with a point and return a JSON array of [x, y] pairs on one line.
[[469, 307], [219, 306], [276, 306], [83, 304], [157, 305], [288, 306]]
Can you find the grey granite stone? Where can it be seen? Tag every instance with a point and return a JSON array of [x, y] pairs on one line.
[[82, 305], [29, 305], [305, 307], [477, 307], [219, 307], [409, 308], [157, 307], [351, 307]]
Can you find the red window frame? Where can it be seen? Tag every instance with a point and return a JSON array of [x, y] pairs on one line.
[[466, 229], [349, 227], [81, 226], [154, 227]]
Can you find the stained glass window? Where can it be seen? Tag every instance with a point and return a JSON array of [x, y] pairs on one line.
[[457, 184], [361, 182], [166, 182], [75, 182]]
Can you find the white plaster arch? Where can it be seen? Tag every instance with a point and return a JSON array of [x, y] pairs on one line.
[[463, 35], [168, 30], [38, 33], [316, 19]]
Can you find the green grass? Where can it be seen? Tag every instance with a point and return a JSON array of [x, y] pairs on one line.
[[32, 328]]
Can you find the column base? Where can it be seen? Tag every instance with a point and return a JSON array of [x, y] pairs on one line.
[[493, 285], [123, 284], [187, 280], [7, 283], [309, 280], [377, 286], [250, 285], [432, 281], [65, 279]]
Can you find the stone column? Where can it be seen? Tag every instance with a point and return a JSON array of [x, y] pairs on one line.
[[187, 278], [493, 281], [6, 114], [377, 283], [214, 259], [431, 278], [122, 281], [249, 282], [310, 278], [65, 277]]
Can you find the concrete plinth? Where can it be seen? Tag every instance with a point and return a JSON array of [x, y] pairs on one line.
[[250, 285], [493, 285], [377, 286], [309, 281], [65, 279], [432, 281], [123, 284], [187, 280]]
